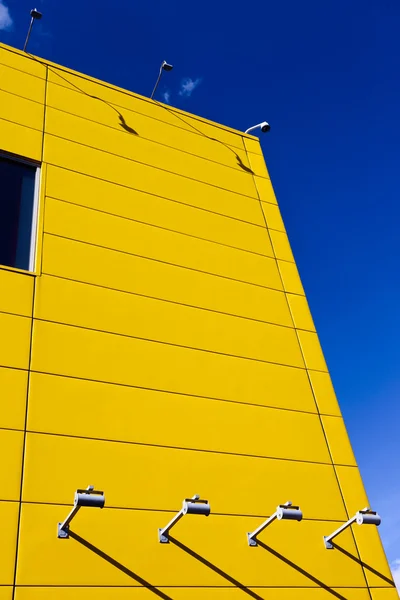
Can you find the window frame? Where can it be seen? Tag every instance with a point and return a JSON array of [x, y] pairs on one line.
[[33, 244]]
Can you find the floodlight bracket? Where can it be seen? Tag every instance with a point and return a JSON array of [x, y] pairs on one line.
[[283, 511], [193, 505], [365, 516], [83, 497]]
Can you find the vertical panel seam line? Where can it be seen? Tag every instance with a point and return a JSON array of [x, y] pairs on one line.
[[314, 396], [44, 111], [18, 530]]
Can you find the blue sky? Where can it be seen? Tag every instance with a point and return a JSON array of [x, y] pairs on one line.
[[326, 76]]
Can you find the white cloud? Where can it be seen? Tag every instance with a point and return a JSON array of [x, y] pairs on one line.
[[5, 17], [167, 96], [395, 566], [188, 86]]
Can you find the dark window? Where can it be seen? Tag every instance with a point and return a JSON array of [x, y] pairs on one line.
[[17, 199]]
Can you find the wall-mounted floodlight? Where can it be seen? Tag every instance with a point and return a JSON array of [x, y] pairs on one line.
[[89, 497], [283, 511], [164, 67], [191, 506], [264, 126], [366, 516], [35, 16]]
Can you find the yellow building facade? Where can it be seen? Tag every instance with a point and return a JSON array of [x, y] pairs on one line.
[[157, 343]]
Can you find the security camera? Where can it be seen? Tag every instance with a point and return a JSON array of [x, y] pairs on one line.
[[35, 14], [264, 126]]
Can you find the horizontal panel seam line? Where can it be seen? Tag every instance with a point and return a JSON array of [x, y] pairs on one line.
[[157, 260], [183, 587], [24, 72], [21, 429], [150, 166], [179, 448], [175, 302], [23, 97], [21, 125], [175, 393], [142, 191], [12, 314], [125, 291], [175, 345], [17, 271], [190, 235], [152, 141], [172, 510], [16, 368]]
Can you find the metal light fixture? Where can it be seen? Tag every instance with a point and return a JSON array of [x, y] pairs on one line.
[[190, 506], [164, 67], [88, 497], [366, 516], [264, 126], [283, 511], [35, 16]]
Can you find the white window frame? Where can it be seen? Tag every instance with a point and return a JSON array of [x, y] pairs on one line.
[[35, 208]]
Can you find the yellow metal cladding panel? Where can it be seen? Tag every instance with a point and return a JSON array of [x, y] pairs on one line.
[[290, 277], [265, 191], [252, 145], [11, 443], [13, 386], [94, 307], [18, 60], [20, 140], [144, 106], [9, 520], [6, 593], [300, 312], [122, 413], [384, 594], [22, 84], [257, 165], [15, 341], [108, 357], [231, 593], [132, 174], [352, 488], [338, 441], [372, 554], [16, 292], [83, 262], [226, 479], [116, 233], [134, 123], [324, 393], [272, 216], [292, 556], [137, 148], [22, 111], [281, 246], [311, 349], [203, 222]]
